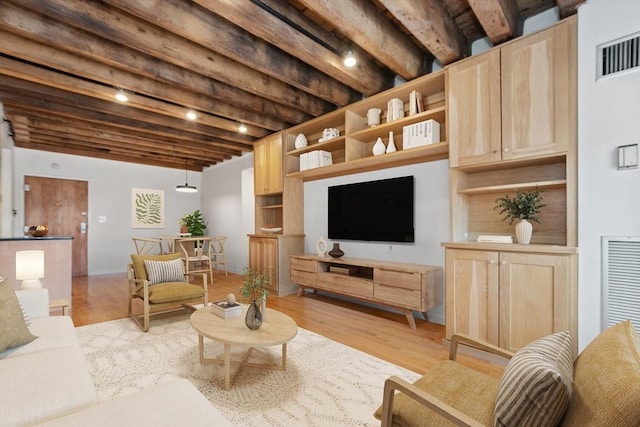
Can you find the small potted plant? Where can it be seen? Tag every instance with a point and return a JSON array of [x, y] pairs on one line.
[[193, 223], [525, 206], [255, 290]]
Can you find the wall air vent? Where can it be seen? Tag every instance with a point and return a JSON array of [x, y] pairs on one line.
[[621, 280], [619, 55]]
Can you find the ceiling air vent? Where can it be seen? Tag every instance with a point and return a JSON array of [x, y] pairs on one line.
[[619, 55]]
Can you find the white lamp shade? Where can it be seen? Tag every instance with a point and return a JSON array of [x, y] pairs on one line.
[[30, 268]]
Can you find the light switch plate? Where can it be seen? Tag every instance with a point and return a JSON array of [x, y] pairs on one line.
[[628, 156]]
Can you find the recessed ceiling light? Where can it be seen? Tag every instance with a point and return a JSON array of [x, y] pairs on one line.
[[191, 115], [242, 128], [121, 96], [349, 59]]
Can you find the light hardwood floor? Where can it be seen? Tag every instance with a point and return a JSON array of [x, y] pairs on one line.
[[377, 332]]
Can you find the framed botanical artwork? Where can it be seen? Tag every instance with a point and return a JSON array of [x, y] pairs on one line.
[[147, 208]]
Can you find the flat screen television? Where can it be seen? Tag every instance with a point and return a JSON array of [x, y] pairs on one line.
[[379, 210]]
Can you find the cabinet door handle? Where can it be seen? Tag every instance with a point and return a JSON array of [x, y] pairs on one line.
[[493, 261], [506, 150], [503, 262]]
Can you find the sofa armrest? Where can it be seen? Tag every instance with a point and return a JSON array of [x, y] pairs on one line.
[[34, 301]]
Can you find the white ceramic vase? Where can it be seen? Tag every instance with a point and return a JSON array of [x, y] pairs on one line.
[[524, 229], [301, 141], [378, 147], [391, 146], [321, 247]]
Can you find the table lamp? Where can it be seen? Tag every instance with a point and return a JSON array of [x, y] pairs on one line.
[[30, 268]]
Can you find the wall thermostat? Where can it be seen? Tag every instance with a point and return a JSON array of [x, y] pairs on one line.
[[628, 156]]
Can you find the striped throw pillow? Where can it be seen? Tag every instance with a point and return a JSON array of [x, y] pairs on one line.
[[164, 271], [536, 387]]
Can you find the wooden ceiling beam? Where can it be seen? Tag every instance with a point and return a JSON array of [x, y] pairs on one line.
[[183, 87], [366, 76], [37, 94], [156, 133], [500, 19], [56, 148], [126, 143], [431, 25], [126, 32], [362, 22], [237, 43], [106, 146], [44, 77], [568, 7]]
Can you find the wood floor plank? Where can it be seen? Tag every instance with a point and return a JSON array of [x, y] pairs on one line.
[[377, 332]]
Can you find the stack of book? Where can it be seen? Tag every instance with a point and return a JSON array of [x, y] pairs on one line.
[[421, 133], [315, 159], [495, 239], [395, 109], [225, 310], [416, 105]]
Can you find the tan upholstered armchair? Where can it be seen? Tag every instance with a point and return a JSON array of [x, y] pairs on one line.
[[162, 285], [541, 385]]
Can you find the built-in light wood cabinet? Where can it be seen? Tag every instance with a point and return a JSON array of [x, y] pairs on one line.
[[516, 101], [271, 253], [510, 298], [268, 161]]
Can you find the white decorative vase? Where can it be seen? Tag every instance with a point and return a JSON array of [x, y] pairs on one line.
[[321, 247], [391, 146], [378, 147], [523, 232], [301, 141]]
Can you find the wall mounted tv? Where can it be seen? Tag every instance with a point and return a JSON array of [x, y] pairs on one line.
[[379, 210]]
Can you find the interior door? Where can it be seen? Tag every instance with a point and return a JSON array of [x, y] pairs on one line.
[[61, 204]]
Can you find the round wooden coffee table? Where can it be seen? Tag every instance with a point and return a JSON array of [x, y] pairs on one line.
[[277, 329]]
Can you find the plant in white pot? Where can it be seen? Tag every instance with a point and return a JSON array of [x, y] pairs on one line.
[[525, 206]]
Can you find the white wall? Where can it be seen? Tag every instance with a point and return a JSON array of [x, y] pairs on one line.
[[608, 116], [432, 224], [110, 184], [227, 194]]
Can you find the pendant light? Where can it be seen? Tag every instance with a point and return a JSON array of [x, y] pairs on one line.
[[186, 188]]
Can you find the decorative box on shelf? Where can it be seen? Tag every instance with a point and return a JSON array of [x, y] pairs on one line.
[[421, 133], [225, 310]]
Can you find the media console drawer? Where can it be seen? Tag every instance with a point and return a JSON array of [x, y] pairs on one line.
[[345, 285], [398, 279]]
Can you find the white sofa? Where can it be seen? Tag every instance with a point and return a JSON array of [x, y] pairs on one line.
[[47, 382]]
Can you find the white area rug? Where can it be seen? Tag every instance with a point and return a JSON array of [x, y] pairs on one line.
[[325, 384]]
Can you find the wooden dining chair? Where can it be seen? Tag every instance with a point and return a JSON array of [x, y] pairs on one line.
[[196, 254], [147, 246], [217, 253]]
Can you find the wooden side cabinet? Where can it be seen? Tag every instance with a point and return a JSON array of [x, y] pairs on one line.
[[403, 286], [271, 252], [510, 298]]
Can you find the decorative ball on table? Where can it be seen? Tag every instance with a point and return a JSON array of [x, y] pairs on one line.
[[231, 299]]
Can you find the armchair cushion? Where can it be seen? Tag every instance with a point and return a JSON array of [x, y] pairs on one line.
[[607, 380], [138, 263], [13, 329], [174, 292], [164, 271], [466, 389], [535, 388]]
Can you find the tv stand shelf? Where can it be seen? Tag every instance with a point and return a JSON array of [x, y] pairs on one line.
[[403, 286]]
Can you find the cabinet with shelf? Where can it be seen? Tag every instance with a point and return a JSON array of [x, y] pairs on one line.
[[352, 150], [268, 167]]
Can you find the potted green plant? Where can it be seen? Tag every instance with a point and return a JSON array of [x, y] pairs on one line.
[[525, 206], [194, 223]]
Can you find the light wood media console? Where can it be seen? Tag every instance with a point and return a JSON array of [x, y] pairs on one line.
[[403, 286]]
